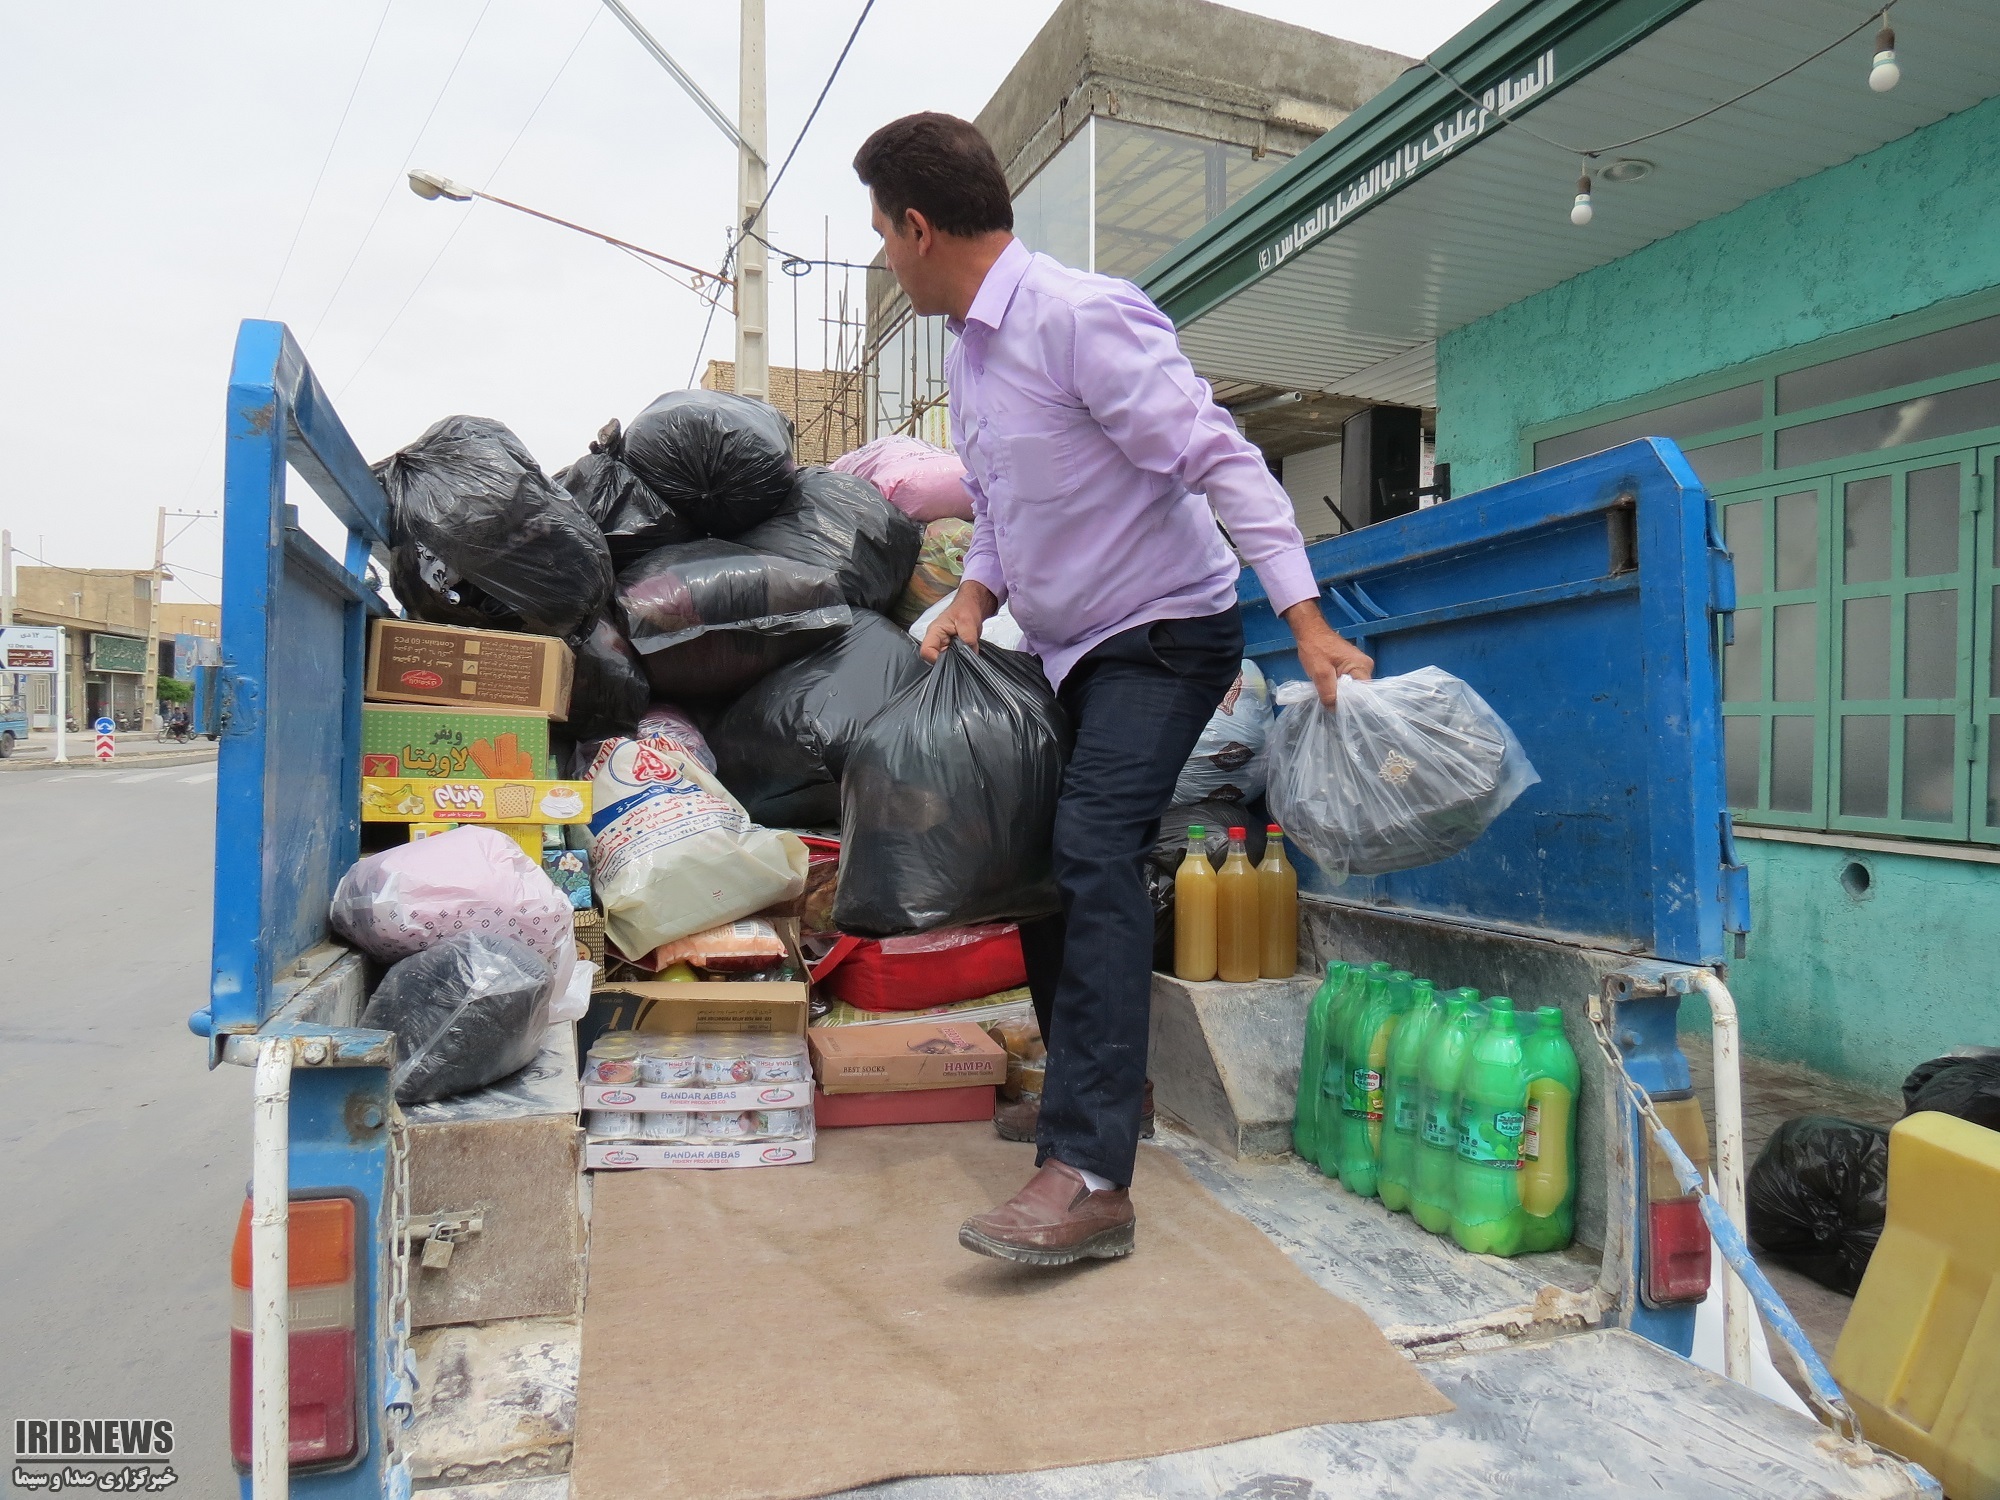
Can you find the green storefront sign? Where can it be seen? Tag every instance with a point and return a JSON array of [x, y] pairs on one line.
[[116, 653]]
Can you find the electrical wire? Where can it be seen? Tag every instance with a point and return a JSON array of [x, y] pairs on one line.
[[327, 160], [750, 224], [1596, 151], [467, 216], [408, 157]]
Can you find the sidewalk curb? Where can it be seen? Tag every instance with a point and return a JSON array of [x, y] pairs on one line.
[[163, 759]]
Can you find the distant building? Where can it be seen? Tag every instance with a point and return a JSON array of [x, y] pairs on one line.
[[107, 613]]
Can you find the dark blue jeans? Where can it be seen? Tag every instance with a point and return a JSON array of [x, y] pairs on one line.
[[1138, 702]]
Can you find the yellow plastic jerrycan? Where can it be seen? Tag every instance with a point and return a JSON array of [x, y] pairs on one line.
[[1919, 1358]]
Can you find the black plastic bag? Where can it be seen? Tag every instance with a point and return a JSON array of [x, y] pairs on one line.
[[1965, 1084], [1817, 1195], [633, 519], [723, 461], [840, 522], [1163, 862], [948, 800], [711, 618], [782, 746], [466, 1013], [469, 505], [609, 690]]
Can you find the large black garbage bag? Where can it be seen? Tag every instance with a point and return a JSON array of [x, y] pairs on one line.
[[1966, 1084], [466, 1012], [722, 460], [1816, 1197], [948, 800], [610, 690], [710, 618], [1163, 862], [633, 519], [841, 523], [469, 505], [782, 746]]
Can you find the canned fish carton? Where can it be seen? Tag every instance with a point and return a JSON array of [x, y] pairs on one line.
[[640, 1097], [599, 1156]]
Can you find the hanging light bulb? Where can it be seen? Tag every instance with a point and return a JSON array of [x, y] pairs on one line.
[[1580, 211], [1885, 75]]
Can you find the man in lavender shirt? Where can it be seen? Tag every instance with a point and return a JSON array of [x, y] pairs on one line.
[[1098, 464]]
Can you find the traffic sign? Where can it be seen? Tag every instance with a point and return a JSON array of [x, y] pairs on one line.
[[104, 726], [106, 745]]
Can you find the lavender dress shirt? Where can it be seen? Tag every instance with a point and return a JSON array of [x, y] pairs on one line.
[[1099, 462]]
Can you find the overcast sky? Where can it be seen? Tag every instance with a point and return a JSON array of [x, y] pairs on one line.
[[159, 173]]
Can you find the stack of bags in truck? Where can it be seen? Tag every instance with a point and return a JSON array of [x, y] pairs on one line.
[[776, 809]]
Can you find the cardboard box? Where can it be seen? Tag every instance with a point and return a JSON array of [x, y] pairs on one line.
[[646, 1097], [391, 799], [912, 1107], [410, 739], [603, 1155], [921, 1055], [666, 1008], [410, 662]]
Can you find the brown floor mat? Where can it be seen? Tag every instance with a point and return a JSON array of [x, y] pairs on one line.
[[782, 1332]]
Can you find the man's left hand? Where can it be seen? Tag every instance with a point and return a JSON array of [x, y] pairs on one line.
[[1324, 655]]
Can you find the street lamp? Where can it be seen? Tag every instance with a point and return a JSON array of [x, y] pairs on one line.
[[430, 187]]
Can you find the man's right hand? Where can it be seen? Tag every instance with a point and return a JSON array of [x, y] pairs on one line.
[[971, 607]]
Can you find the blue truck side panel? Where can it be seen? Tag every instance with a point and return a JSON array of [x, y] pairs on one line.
[[287, 810], [1581, 603]]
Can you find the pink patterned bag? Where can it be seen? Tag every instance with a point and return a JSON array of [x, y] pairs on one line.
[[923, 482]]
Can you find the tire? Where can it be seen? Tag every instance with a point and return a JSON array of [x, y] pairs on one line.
[[6, 744]]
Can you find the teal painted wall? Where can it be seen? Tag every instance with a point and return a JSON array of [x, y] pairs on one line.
[[1910, 224], [1864, 986]]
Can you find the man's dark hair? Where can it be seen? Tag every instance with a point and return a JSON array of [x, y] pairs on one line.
[[942, 167]]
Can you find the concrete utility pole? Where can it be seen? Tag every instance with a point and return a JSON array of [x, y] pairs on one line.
[[753, 358], [149, 685], [6, 578]]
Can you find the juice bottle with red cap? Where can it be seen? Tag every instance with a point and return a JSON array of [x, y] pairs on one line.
[[1238, 939]]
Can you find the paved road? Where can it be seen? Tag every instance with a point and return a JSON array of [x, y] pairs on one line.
[[122, 1160]]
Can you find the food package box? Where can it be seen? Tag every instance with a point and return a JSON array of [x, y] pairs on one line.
[[611, 1155], [665, 1007], [410, 662], [921, 1055], [412, 739], [741, 1096], [912, 1107], [418, 799]]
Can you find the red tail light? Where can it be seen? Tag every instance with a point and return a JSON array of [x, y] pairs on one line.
[[1677, 1251], [324, 1353]]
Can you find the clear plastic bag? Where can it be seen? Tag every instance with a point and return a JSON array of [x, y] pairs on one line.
[[1405, 771], [939, 571], [711, 618], [1228, 759], [466, 1013]]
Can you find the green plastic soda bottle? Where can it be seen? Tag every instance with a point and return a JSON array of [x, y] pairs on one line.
[[1439, 1076], [1399, 1130], [1326, 1151], [1486, 1215], [1548, 1138], [1312, 1061], [1363, 1104]]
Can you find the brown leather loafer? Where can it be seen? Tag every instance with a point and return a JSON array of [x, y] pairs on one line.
[[1016, 1119], [1055, 1220]]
